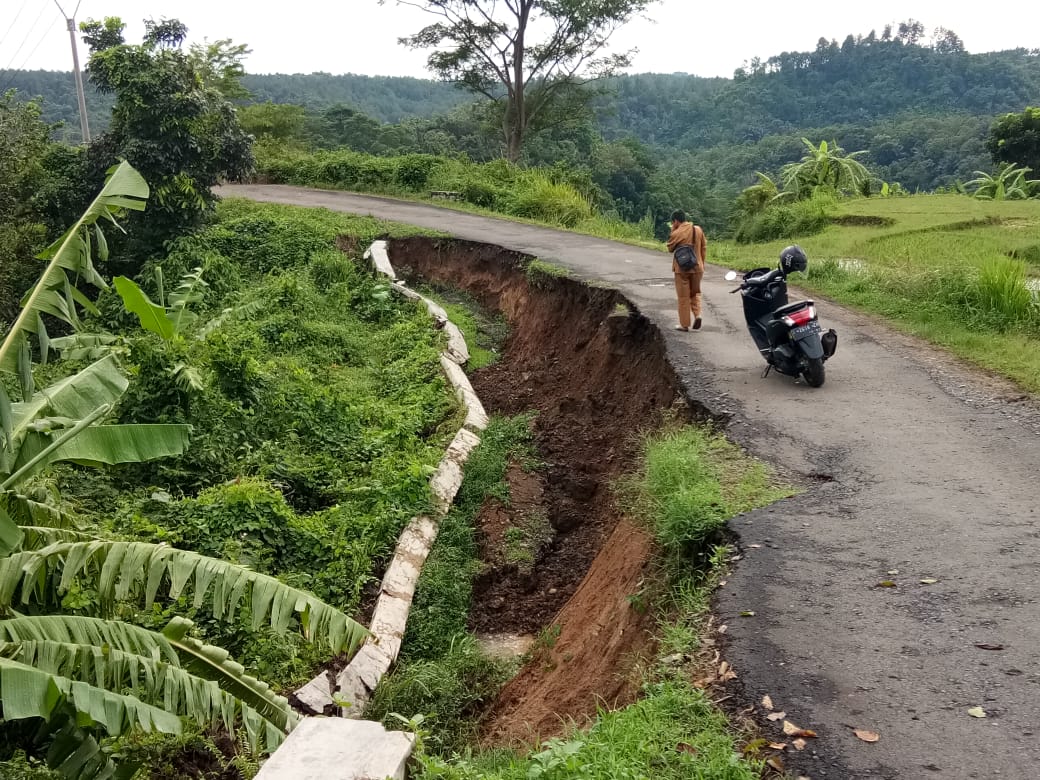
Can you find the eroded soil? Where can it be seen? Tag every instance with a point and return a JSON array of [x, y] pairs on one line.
[[594, 370]]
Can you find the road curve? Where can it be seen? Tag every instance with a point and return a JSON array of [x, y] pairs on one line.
[[920, 474]]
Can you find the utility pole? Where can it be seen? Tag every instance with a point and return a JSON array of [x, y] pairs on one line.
[[84, 126]]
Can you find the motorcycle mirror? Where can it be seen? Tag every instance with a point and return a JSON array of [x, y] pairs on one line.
[[731, 276]]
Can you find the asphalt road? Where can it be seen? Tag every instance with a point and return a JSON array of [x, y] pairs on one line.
[[919, 469]]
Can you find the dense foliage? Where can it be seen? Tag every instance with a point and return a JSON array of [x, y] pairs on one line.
[[171, 123], [317, 413]]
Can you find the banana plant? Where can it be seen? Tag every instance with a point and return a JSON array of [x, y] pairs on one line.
[[64, 422], [826, 166], [90, 676], [54, 294], [169, 322], [1009, 183]]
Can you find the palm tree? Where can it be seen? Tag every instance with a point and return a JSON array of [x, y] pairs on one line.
[[86, 676], [825, 166], [1009, 183]]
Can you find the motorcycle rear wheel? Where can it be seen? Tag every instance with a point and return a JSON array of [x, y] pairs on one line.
[[813, 372]]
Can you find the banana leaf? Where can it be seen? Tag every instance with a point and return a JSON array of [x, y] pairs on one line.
[[151, 316], [124, 189], [110, 444]]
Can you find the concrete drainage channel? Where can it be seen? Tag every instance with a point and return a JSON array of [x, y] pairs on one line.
[[346, 748]]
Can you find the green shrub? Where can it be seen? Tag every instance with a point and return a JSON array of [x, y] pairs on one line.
[[482, 193], [245, 520], [787, 220], [413, 170], [541, 199]]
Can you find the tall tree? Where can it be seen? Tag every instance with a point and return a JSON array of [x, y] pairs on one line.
[[171, 120], [1015, 138], [530, 57]]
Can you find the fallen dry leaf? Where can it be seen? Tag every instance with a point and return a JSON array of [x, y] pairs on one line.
[[767, 702], [754, 546], [747, 613], [778, 745], [799, 744], [928, 581], [723, 628], [775, 763], [776, 716], [977, 712], [988, 646], [893, 572], [886, 584], [866, 736], [686, 748], [792, 730]]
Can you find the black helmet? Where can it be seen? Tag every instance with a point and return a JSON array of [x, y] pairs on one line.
[[793, 259]]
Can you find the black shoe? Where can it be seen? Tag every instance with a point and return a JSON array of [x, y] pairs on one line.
[[697, 324]]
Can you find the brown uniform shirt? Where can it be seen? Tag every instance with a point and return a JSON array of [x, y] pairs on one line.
[[684, 234]]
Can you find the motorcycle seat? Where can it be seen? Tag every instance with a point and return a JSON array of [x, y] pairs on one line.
[[791, 307]]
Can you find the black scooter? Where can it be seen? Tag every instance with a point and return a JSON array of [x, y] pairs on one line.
[[787, 334]]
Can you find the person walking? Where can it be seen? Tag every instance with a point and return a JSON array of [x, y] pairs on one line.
[[688, 268]]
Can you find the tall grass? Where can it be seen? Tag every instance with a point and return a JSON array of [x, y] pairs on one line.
[[1002, 295], [692, 481]]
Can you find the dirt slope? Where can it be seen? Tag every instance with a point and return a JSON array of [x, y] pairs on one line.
[[924, 468], [597, 376]]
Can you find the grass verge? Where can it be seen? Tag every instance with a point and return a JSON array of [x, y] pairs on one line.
[[958, 272]]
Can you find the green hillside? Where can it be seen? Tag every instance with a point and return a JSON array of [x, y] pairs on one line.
[[922, 111]]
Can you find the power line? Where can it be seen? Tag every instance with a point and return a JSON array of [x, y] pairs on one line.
[[10, 72], [26, 38], [17, 16]]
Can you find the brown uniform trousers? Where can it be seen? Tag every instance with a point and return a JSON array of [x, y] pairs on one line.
[[688, 283], [688, 292]]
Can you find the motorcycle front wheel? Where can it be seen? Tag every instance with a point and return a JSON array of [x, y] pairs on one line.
[[813, 372]]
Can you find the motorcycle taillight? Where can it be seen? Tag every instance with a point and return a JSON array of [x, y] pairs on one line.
[[800, 317]]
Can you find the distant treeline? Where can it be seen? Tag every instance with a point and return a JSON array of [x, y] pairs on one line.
[[921, 109]]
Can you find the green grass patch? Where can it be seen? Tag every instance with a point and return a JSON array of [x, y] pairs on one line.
[[692, 481], [954, 270], [673, 733], [542, 274]]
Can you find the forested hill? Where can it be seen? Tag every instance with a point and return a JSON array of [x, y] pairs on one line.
[[922, 111], [859, 83], [386, 98]]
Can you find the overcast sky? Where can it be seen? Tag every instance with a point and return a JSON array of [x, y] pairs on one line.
[[360, 36]]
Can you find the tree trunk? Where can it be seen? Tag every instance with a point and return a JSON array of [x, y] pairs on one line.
[[516, 111]]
